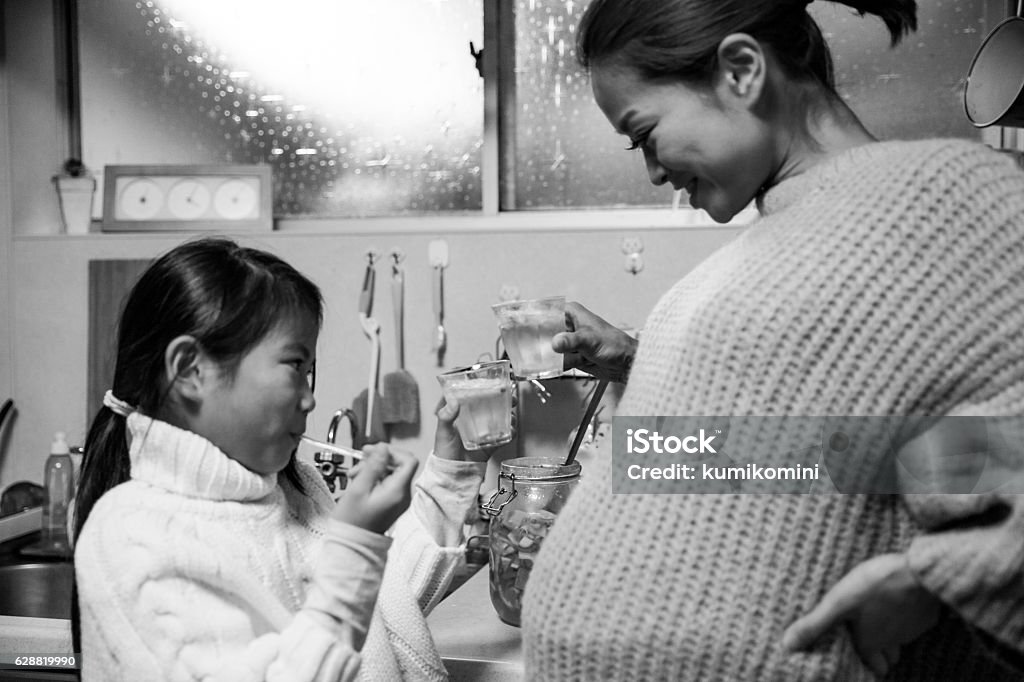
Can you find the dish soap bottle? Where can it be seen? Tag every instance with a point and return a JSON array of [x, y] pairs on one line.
[[59, 487]]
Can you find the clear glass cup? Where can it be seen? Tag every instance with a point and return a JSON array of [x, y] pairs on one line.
[[484, 394], [526, 331], [531, 492]]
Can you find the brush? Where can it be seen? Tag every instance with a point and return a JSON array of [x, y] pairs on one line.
[[400, 402]]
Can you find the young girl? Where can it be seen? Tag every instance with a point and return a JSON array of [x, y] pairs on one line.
[[204, 548]]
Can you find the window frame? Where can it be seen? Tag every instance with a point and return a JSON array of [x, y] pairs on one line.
[[498, 210]]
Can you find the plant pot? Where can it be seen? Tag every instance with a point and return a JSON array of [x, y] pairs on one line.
[[74, 196]]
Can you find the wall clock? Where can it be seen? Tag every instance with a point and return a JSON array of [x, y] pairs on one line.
[[155, 198]]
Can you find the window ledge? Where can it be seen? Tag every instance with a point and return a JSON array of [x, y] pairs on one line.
[[517, 221]]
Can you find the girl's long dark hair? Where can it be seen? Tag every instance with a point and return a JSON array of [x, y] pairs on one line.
[[227, 297], [680, 38]]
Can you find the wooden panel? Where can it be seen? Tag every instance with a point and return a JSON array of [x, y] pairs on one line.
[[109, 284]]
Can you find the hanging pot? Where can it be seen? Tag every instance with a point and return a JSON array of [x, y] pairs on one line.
[[995, 82]]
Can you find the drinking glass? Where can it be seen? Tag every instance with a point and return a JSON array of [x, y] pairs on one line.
[[526, 330], [484, 394]]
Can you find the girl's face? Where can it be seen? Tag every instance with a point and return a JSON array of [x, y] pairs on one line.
[[257, 415], [700, 140]]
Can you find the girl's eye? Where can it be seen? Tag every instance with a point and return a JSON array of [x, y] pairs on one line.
[[308, 372]]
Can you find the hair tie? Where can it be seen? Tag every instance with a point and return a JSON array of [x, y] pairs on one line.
[[116, 405]]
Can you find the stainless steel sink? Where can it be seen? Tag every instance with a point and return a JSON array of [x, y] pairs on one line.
[[36, 590]]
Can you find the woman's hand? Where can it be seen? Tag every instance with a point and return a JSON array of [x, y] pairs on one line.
[[379, 489], [881, 604], [594, 346]]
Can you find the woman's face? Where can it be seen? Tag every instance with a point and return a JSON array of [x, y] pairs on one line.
[[257, 415], [700, 140]]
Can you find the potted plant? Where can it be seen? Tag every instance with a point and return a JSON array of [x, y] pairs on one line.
[[75, 189]]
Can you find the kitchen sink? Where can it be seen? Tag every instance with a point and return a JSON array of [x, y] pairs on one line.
[[37, 590]]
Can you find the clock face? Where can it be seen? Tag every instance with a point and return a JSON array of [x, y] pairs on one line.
[[188, 199], [139, 199], [181, 197], [236, 199]]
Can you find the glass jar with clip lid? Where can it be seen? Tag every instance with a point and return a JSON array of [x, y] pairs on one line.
[[531, 492]]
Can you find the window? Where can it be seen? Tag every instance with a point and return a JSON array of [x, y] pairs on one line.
[[566, 156], [368, 108], [361, 108]]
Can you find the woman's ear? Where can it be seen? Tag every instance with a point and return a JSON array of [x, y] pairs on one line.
[[741, 69], [183, 367]]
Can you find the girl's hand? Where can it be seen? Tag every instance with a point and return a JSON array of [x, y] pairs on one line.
[[882, 606], [447, 442], [379, 489]]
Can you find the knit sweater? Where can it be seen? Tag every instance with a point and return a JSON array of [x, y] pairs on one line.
[[200, 569], [887, 280]]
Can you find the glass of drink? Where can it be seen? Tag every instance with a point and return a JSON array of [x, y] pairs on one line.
[[526, 330], [484, 394]]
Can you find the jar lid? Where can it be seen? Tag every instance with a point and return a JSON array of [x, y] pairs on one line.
[[540, 469]]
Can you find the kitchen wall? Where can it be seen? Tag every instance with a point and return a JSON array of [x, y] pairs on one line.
[[48, 330], [44, 275]]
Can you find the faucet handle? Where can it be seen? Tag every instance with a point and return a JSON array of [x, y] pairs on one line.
[[332, 469]]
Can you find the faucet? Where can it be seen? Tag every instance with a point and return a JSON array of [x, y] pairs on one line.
[[331, 465], [336, 420]]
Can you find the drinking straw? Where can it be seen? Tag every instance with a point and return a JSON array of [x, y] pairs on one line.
[[587, 416]]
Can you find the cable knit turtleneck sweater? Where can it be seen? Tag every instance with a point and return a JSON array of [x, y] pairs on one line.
[[199, 569], [887, 280]]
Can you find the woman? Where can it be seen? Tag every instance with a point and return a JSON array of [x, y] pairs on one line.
[[884, 278]]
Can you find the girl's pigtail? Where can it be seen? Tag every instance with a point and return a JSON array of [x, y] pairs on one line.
[[104, 465]]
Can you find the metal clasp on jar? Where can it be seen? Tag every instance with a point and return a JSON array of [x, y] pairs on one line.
[[495, 510]]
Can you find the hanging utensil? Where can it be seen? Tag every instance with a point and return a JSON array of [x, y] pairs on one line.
[[365, 404], [437, 253], [401, 396]]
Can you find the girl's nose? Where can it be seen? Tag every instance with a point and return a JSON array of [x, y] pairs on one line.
[[655, 171]]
